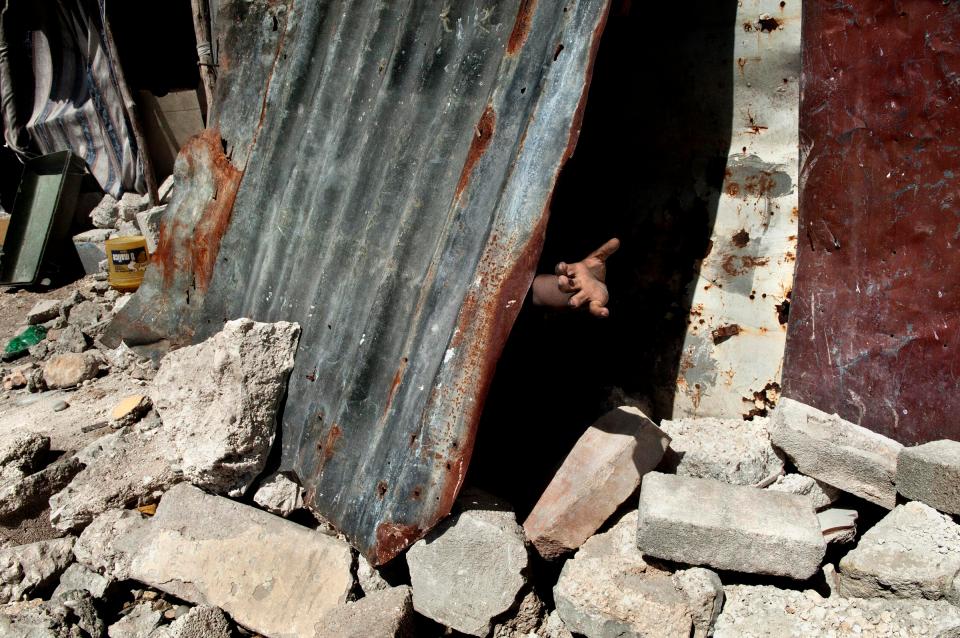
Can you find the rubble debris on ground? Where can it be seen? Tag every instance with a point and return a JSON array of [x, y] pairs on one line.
[[842, 454], [139, 622], [602, 470], [751, 610], [279, 494], [608, 590], [705, 522], [839, 526], [931, 473], [730, 450], [216, 403], [32, 492], [272, 576], [79, 577], [71, 369], [471, 567], [43, 311], [914, 552]]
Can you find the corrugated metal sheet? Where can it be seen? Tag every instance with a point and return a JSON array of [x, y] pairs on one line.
[[733, 349], [385, 182], [874, 327]]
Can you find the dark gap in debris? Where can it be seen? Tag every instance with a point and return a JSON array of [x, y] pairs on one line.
[[556, 54], [638, 173], [768, 24]]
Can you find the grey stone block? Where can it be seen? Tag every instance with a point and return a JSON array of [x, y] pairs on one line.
[[931, 473], [914, 552], [383, 614], [837, 452], [745, 529], [149, 222]]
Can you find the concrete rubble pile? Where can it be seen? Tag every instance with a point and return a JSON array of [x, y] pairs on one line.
[[143, 503]]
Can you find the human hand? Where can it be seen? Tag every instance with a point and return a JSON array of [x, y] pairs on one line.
[[585, 279]]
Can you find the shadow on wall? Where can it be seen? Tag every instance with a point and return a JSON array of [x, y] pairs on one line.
[[649, 168]]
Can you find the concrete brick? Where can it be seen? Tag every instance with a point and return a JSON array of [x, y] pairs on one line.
[[931, 473], [729, 450], [744, 529], [914, 552], [838, 452], [600, 473]]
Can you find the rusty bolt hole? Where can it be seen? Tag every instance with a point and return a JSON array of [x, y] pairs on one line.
[[767, 24], [556, 54]]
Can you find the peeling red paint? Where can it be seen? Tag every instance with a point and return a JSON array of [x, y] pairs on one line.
[[393, 538]]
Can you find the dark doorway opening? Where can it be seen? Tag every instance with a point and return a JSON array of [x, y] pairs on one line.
[[649, 168]]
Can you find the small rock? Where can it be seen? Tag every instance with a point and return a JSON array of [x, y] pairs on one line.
[[202, 621], [26, 570], [931, 473], [280, 495], [839, 526], [914, 552], [70, 369], [704, 593], [17, 378], [85, 315], [60, 406], [71, 339], [105, 214], [821, 494], [730, 450], [383, 614], [138, 623], [745, 529], [43, 311], [131, 204], [127, 229], [40, 351], [21, 453], [78, 577], [601, 472], [130, 410], [149, 224], [836, 451], [470, 568], [523, 619], [369, 578]]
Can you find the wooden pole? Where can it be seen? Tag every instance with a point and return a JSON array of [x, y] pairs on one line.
[[132, 113], [208, 69]]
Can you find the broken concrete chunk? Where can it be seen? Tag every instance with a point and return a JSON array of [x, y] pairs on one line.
[[138, 623], [32, 493], [607, 590], [79, 577], [166, 190], [85, 315], [149, 224], [931, 473], [70, 369], [108, 544], [71, 339], [523, 618], [279, 494], [470, 568], [821, 494], [130, 204], [914, 552], [280, 577], [705, 522], [730, 450], [105, 214], [202, 621], [837, 452], [21, 453], [369, 578], [73, 617], [601, 472], [704, 593], [384, 614], [43, 311], [26, 570], [228, 389], [218, 403], [769, 611], [18, 377], [839, 526]]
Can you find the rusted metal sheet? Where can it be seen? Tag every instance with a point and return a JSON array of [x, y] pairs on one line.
[[874, 327], [734, 345], [385, 182]]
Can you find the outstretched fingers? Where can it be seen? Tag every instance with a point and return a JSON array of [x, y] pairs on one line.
[[610, 247]]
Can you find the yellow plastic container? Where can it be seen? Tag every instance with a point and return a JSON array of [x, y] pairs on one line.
[[126, 262]]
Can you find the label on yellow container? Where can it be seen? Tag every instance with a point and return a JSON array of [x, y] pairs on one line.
[[126, 262]]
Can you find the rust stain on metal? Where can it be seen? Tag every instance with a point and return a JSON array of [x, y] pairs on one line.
[[741, 238], [395, 384], [521, 27], [736, 265], [393, 538], [763, 401], [481, 141], [723, 333]]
